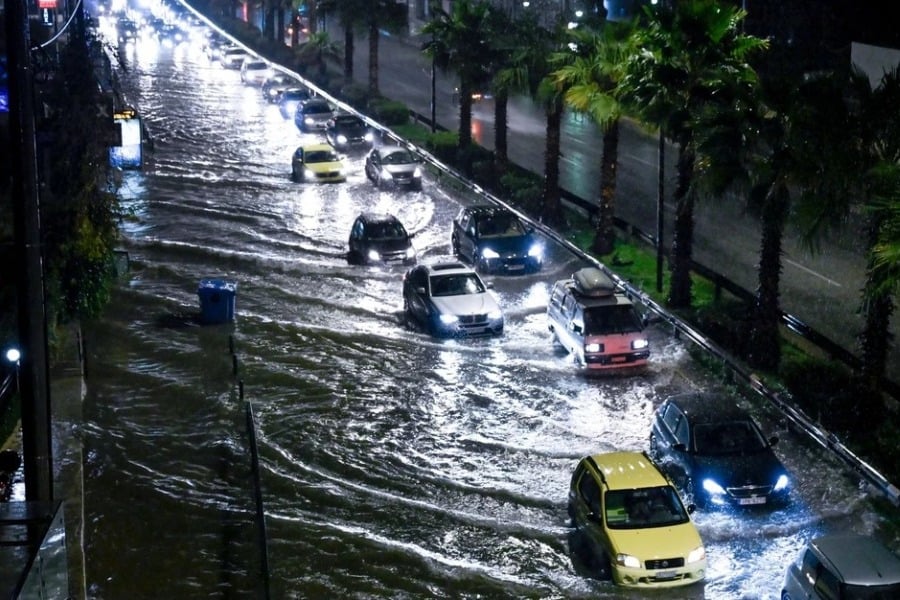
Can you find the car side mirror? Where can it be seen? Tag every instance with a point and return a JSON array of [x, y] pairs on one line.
[[489, 285], [690, 508], [594, 517], [773, 440], [679, 447], [420, 291], [575, 327]]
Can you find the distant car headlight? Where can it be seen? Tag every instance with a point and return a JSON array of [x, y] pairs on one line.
[[782, 483], [373, 255], [593, 347], [369, 137], [627, 560], [449, 319], [495, 314], [639, 344], [489, 253], [410, 252], [696, 555], [309, 120], [341, 139], [713, 488], [536, 251]]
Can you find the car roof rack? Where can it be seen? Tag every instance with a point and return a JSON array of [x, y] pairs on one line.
[[594, 283]]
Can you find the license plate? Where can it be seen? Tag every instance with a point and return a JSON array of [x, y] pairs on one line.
[[516, 267], [666, 574], [619, 359], [752, 500]]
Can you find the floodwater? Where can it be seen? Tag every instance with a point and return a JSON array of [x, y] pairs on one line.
[[392, 465]]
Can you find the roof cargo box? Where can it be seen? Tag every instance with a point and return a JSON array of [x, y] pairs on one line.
[[593, 282]]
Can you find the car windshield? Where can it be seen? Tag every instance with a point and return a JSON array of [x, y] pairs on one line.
[[604, 320], [321, 156], [643, 507], [456, 285], [399, 157], [388, 230], [500, 226], [294, 95], [348, 122], [736, 437], [316, 108]]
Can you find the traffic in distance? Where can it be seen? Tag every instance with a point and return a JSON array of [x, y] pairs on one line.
[[651, 512]]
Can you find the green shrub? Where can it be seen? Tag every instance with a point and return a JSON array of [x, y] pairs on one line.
[[388, 112], [355, 95], [443, 145]]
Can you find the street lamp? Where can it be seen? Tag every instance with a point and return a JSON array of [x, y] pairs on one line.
[[13, 356]]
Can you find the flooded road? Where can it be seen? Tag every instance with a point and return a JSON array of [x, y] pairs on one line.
[[393, 465]]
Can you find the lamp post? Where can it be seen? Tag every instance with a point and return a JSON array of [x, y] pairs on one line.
[[433, 89]]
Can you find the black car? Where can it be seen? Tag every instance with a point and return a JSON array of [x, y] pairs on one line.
[[716, 453], [346, 132], [313, 115], [379, 238], [275, 85], [394, 165], [289, 99], [494, 239]]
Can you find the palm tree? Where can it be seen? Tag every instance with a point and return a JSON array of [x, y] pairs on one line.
[[316, 50], [382, 14], [688, 55], [460, 41], [592, 79]]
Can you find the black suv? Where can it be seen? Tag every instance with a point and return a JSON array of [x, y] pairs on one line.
[[348, 132], [716, 453], [379, 238], [494, 239]]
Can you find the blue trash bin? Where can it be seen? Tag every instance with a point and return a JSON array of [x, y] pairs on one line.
[[216, 300]]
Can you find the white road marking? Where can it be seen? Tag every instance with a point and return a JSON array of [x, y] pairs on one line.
[[811, 272]]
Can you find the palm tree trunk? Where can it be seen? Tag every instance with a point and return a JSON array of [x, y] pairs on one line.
[[465, 114], [551, 211], [501, 128], [349, 49], [279, 22], [683, 231], [373, 57], [605, 232], [765, 341], [877, 308]]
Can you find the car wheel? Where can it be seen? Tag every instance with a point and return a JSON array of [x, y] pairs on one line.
[[785, 595]]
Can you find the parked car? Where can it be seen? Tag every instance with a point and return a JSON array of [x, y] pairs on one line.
[[449, 299], [290, 99], [348, 132], [317, 163], [843, 567], [274, 85], [594, 321], [233, 57], [633, 522], [494, 239], [716, 453], [313, 115], [254, 71], [394, 165], [379, 238], [126, 30]]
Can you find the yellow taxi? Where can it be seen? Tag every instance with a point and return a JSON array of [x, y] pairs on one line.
[[631, 518], [317, 163]]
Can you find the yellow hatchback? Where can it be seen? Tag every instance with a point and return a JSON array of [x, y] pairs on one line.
[[632, 519], [317, 163]]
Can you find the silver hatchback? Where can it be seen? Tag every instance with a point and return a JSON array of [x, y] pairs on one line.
[[841, 567]]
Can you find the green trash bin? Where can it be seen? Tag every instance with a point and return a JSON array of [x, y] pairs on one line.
[[216, 301]]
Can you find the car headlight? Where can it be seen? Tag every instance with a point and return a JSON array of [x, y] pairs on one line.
[[713, 488], [536, 251], [417, 173], [369, 137], [489, 253], [593, 347], [309, 173], [410, 252], [341, 139], [308, 120], [385, 174], [373, 255], [449, 319], [627, 560], [696, 555], [639, 344], [782, 483], [495, 314]]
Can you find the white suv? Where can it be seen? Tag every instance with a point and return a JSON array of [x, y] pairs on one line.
[[597, 323]]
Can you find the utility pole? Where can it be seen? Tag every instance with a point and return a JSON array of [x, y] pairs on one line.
[[34, 392]]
